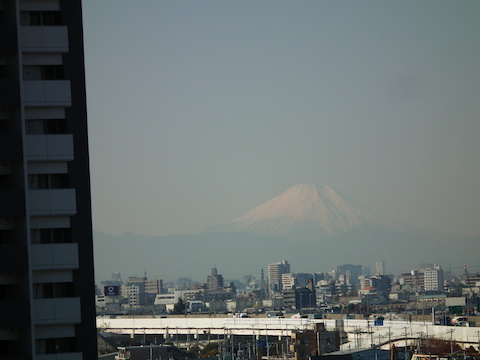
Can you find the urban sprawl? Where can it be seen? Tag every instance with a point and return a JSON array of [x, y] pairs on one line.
[[345, 314]]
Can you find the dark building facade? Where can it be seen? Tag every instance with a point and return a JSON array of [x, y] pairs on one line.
[[47, 306], [214, 280]]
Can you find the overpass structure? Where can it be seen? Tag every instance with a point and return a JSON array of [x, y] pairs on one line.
[[360, 333]]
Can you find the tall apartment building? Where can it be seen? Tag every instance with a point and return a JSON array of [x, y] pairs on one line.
[[154, 286], [47, 304], [275, 272], [214, 280], [433, 278]]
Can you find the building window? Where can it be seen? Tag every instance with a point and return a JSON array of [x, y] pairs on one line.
[[51, 236], [46, 126], [47, 181], [53, 290], [43, 72], [55, 345], [41, 18]]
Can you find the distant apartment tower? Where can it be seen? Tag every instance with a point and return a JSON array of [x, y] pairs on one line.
[[134, 290], [214, 280], [288, 281], [153, 286], [135, 294], [275, 272], [433, 278], [47, 303], [380, 268]]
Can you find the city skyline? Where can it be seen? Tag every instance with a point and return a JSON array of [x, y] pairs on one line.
[[200, 111]]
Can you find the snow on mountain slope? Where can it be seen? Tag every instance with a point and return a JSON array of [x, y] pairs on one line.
[[313, 206]]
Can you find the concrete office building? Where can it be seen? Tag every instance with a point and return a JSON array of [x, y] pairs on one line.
[[47, 304], [275, 272]]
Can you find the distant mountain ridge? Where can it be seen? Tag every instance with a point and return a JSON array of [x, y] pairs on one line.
[[311, 226], [318, 208]]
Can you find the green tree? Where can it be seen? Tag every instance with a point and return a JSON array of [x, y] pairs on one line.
[[179, 307]]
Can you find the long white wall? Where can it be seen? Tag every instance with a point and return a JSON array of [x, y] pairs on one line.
[[361, 333]]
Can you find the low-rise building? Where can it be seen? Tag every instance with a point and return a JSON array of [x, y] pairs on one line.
[[379, 284], [150, 352], [308, 343]]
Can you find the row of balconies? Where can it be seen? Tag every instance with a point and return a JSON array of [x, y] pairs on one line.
[[49, 39], [46, 39]]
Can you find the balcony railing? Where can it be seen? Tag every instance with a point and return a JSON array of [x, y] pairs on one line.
[[53, 202], [54, 256], [56, 310], [44, 39], [50, 147], [47, 93]]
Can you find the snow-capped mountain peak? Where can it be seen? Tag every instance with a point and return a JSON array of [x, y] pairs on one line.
[[319, 206]]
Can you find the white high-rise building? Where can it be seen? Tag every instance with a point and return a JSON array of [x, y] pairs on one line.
[[433, 278], [288, 281]]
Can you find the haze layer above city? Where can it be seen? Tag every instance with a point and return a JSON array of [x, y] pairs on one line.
[[200, 111]]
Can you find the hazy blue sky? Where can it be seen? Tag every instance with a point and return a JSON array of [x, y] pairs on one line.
[[201, 110]]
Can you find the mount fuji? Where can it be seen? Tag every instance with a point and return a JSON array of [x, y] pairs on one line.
[[315, 209], [312, 226]]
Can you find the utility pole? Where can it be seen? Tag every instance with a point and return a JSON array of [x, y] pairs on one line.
[[451, 341], [233, 344], [266, 340], [318, 341], [478, 336]]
